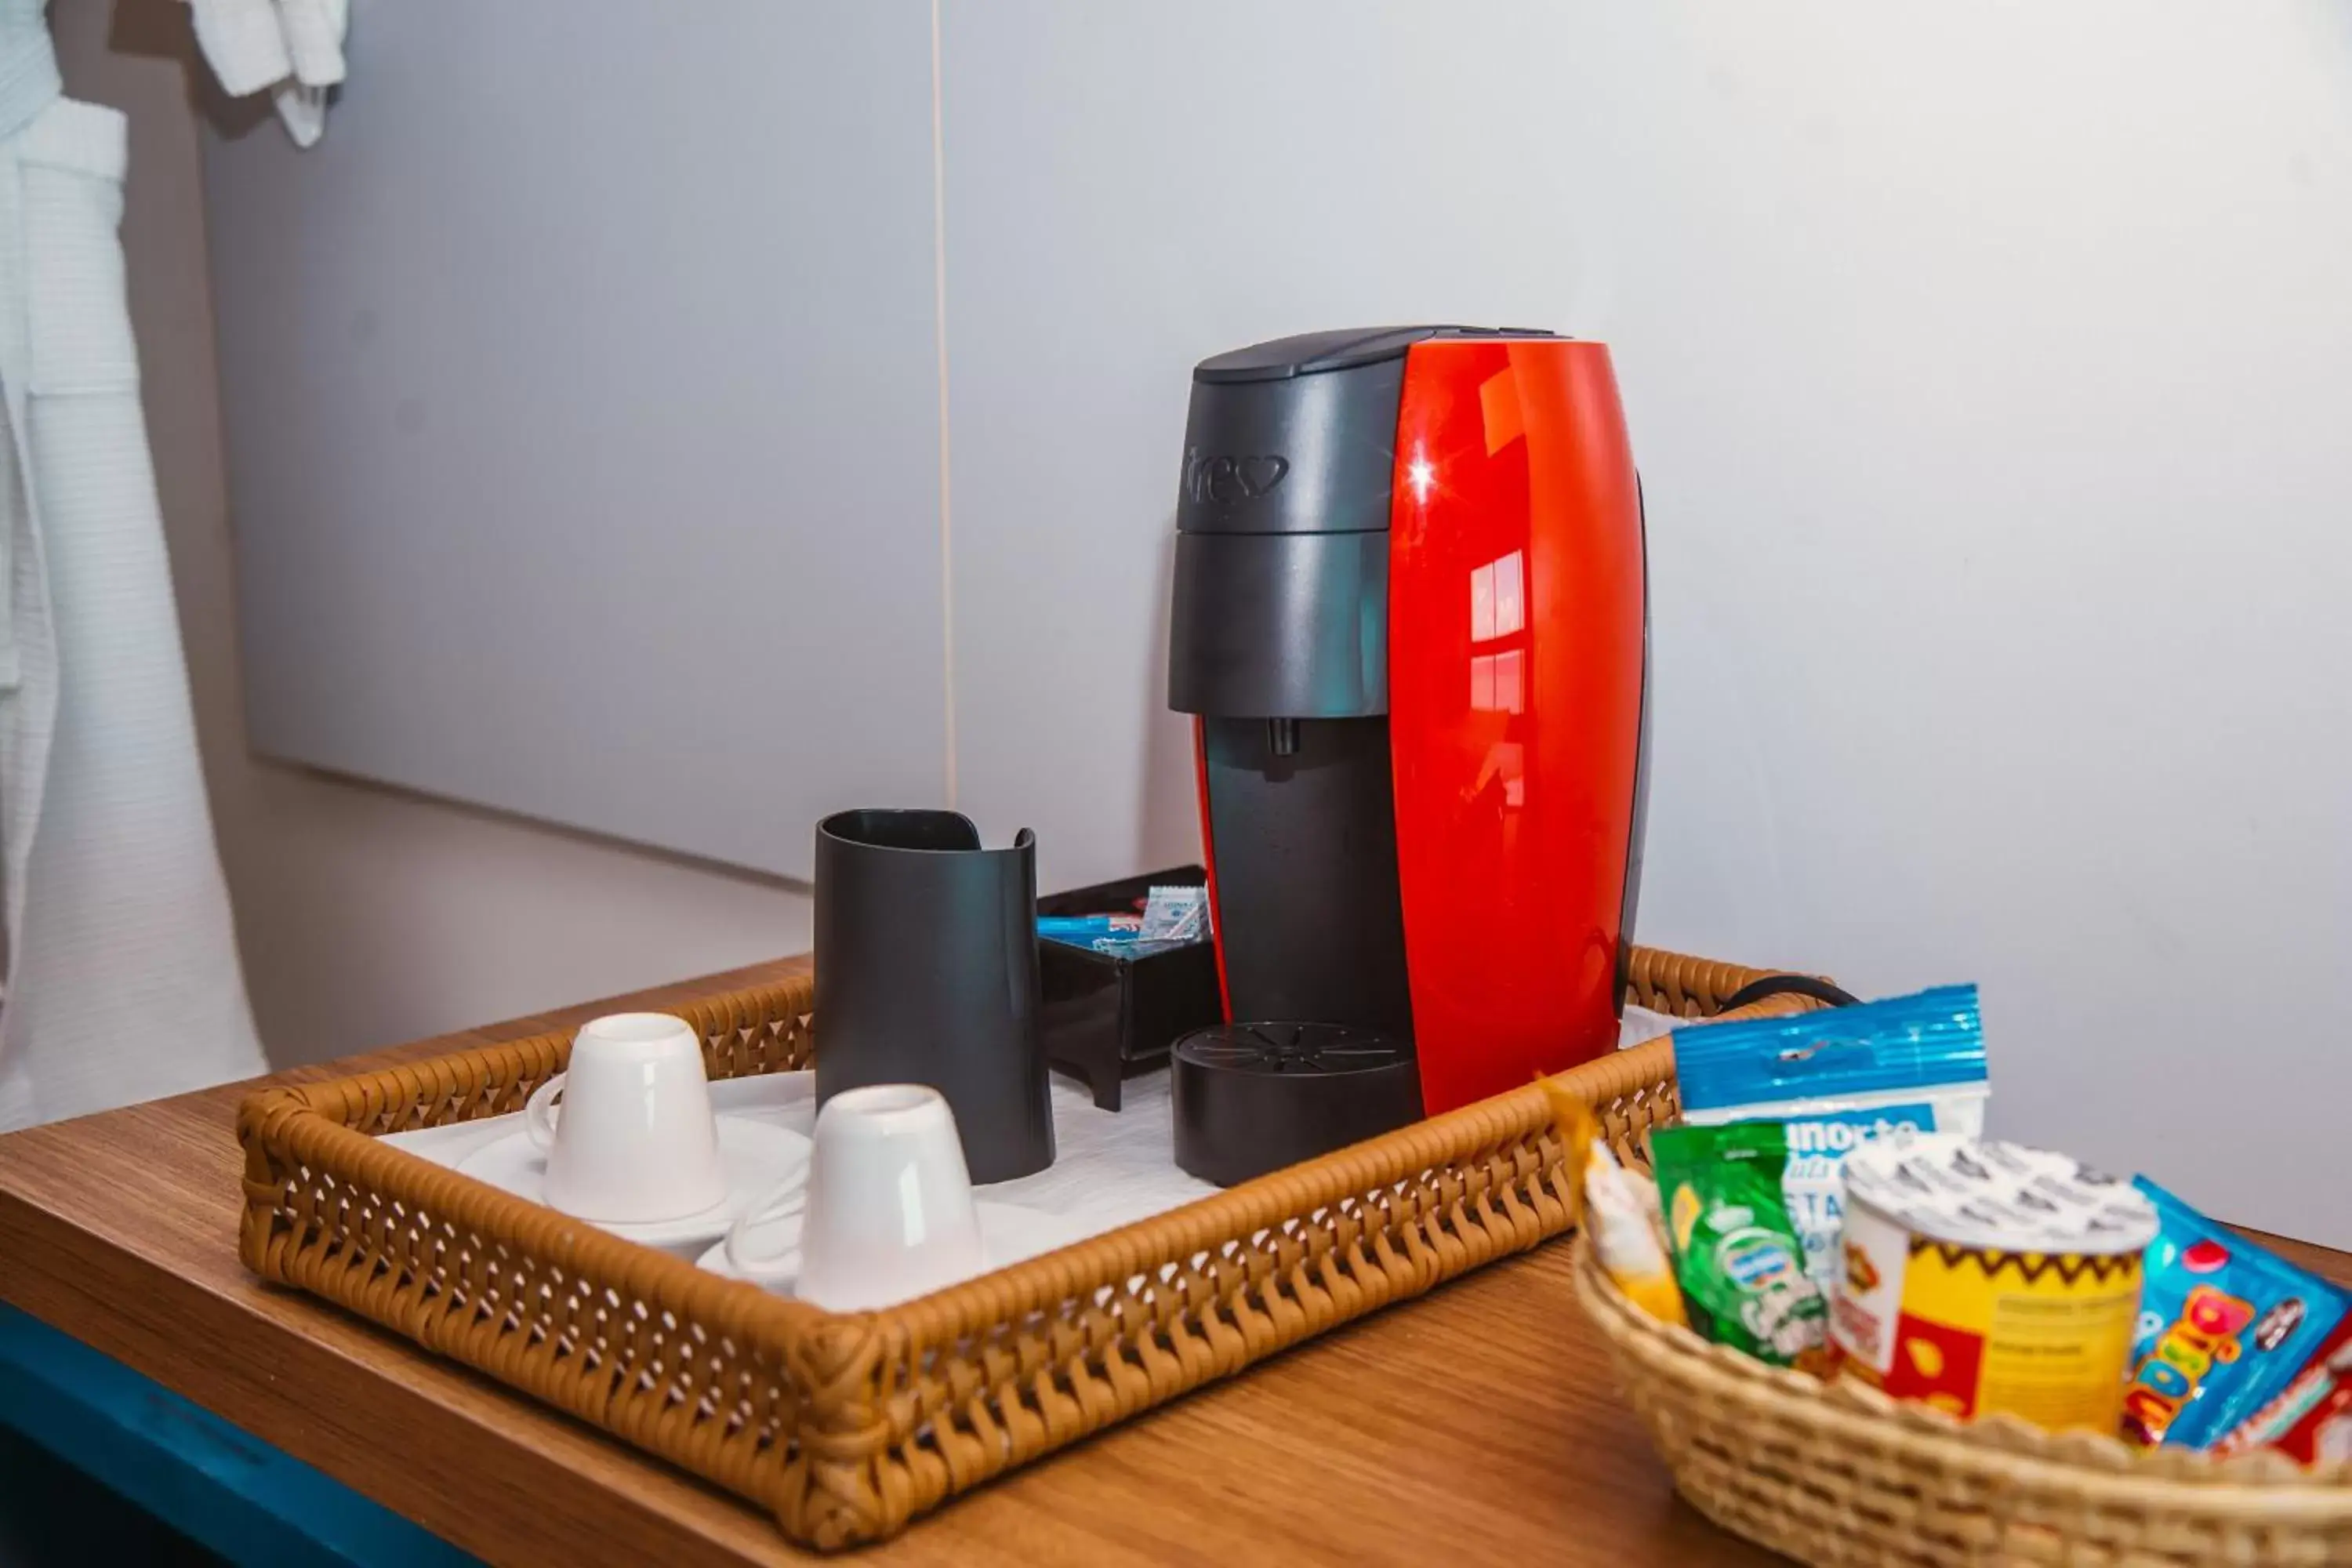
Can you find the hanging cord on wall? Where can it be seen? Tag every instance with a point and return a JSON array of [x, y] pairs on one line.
[[1819, 990]]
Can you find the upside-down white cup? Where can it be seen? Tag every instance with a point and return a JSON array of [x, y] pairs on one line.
[[886, 1214], [636, 1140]]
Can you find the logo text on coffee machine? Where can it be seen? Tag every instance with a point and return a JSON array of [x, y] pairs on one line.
[[1230, 477]]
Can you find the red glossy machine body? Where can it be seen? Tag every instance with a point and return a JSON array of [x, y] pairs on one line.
[[1515, 684], [1410, 620]]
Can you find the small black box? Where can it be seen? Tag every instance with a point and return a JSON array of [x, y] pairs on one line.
[[1104, 1015]]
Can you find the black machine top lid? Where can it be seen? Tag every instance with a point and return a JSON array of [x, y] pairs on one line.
[[1344, 349], [1280, 608]]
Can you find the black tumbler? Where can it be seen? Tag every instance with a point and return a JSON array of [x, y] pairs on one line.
[[927, 972]]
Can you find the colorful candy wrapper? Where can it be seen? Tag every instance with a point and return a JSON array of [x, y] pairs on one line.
[[2224, 1328], [2312, 1421], [1737, 1251]]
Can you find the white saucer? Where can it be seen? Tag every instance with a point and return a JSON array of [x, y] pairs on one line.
[[1009, 1234], [758, 1156]]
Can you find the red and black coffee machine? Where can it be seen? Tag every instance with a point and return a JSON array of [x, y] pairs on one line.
[[1411, 621]]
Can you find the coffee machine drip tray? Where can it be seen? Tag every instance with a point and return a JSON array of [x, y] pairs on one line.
[[1253, 1097]]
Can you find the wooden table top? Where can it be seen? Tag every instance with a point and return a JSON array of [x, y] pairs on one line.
[[1478, 1424]]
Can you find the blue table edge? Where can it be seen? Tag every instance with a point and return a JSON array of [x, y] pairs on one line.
[[215, 1483]]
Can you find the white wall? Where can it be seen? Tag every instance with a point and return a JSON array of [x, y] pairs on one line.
[[366, 917], [584, 447], [1988, 371]]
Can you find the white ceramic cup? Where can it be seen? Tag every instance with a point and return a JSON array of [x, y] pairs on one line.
[[886, 1212], [636, 1141]]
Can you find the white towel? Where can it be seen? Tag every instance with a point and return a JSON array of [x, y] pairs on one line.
[[293, 49], [123, 981]]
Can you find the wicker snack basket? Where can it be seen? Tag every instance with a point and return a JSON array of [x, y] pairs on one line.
[[1837, 1473], [847, 1425]]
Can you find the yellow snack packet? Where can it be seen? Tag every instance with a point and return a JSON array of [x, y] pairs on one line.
[[1613, 1207], [1578, 1128]]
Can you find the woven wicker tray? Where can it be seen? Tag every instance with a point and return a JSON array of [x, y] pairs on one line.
[[1838, 1474], [845, 1426]]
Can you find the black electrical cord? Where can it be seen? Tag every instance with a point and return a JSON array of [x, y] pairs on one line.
[[1755, 991]]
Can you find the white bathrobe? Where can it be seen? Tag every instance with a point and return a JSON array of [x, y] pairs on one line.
[[122, 981]]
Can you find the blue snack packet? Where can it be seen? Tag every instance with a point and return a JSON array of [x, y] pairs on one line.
[[1837, 1079], [2224, 1326], [1104, 934]]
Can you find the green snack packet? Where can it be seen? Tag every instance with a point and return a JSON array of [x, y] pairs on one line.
[[1738, 1255]]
